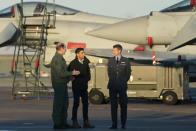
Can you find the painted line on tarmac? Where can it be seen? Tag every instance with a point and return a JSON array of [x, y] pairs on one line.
[[25, 127], [159, 119], [28, 123], [102, 127], [7, 130]]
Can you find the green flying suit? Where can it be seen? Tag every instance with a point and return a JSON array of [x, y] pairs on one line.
[[60, 77]]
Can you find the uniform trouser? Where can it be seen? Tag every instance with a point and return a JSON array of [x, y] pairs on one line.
[[77, 93], [122, 92], [60, 104]]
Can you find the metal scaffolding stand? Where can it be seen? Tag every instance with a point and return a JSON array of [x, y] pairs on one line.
[[28, 51]]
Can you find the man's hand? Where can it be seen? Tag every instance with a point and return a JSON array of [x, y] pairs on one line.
[[72, 78], [75, 73]]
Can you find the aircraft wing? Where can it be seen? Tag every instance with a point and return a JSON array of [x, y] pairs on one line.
[[140, 55], [185, 35], [7, 34]]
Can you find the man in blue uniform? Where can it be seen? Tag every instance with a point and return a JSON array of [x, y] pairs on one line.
[[80, 87], [119, 72], [60, 77]]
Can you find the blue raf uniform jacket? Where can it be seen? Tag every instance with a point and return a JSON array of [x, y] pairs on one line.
[[118, 72]]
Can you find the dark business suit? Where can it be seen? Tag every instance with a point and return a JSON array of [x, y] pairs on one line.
[[80, 86], [119, 73]]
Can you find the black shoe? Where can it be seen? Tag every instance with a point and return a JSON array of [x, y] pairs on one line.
[[67, 126], [113, 127], [123, 127], [58, 127], [75, 124], [88, 125]]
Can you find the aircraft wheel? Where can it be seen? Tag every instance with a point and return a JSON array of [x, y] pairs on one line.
[[96, 97], [170, 98], [107, 100]]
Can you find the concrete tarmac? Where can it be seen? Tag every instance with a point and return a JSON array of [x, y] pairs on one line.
[[143, 115]]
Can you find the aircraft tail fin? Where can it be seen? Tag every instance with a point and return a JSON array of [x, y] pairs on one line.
[[185, 36]]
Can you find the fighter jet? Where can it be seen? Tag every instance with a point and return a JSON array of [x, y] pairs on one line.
[[70, 27], [183, 6], [168, 29]]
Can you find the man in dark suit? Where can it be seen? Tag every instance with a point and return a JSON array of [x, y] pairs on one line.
[[119, 72], [80, 87]]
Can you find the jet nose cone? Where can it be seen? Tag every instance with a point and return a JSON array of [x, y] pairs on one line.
[[131, 31]]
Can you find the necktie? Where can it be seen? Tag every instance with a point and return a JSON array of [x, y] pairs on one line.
[[117, 59]]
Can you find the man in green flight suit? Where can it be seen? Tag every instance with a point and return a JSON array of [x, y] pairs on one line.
[[60, 78]]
